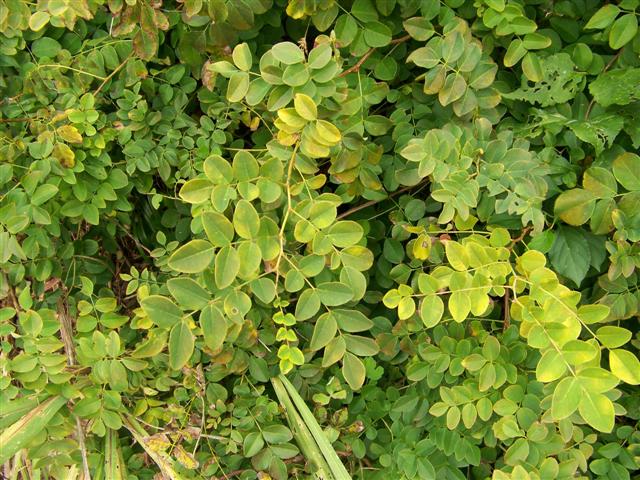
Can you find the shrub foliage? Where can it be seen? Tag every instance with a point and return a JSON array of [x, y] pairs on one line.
[[228, 224]]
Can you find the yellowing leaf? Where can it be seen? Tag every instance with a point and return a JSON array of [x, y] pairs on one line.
[[625, 365], [305, 106]]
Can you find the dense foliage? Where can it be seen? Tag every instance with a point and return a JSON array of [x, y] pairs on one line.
[[423, 213]]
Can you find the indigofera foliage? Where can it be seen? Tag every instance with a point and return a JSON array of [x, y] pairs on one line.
[[319, 239]]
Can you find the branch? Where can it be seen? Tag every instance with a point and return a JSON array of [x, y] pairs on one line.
[[14, 120], [110, 76], [356, 67], [370, 203], [606, 68]]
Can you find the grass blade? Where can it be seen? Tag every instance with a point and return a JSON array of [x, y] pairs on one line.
[[114, 467], [303, 436], [161, 459], [335, 464], [336, 467], [14, 438]]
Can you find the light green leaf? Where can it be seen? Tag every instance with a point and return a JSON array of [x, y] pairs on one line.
[[597, 410], [218, 228], [323, 332], [623, 30], [625, 365], [613, 337], [246, 220], [626, 169], [227, 265], [162, 311], [188, 293], [242, 57], [181, 344], [550, 367], [192, 257], [238, 86], [566, 398], [305, 106], [214, 327], [353, 371]]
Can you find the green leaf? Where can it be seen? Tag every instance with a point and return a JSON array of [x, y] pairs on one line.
[[238, 86], [17, 436], [218, 228], [305, 106], [566, 398], [214, 327], [626, 168], [603, 17], [334, 293], [188, 293], [162, 311], [431, 310], [459, 305], [38, 20], [252, 444], [377, 34], [287, 53], [597, 410], [575, 206], [515, 52], [45, 47], [181, 344], [570, 254], [245, 220], [625, 365], [600, 182], [43, 193], [192, 257], [613, 337], [324, 331], [242, 57], [353, 371], [518, 452], [227, 265], [308, 305], [623, 30], [550, 367]]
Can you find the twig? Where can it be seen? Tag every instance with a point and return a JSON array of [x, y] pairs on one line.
[[507, 313], [370, 203], [364, 58], [66, 333], [83, 449], [296, 459], [519, 238], [606, 68], [12, 120], [110, 76]]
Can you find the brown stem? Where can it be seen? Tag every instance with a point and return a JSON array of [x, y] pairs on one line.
[[16, 120], [356, 67], [606, 68], [110, 76], [519, 238], [364, 205], [296, 459], [507, 313]]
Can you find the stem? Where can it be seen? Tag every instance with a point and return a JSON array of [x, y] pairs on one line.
[[356, 67], [285, 217], [606, 68], [370, 203], [110, 76]]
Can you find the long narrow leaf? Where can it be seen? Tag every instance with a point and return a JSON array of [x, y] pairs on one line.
[[161, 459], [303, 436], [18, 435], [114, 466], [12, 410], [335, 464]]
